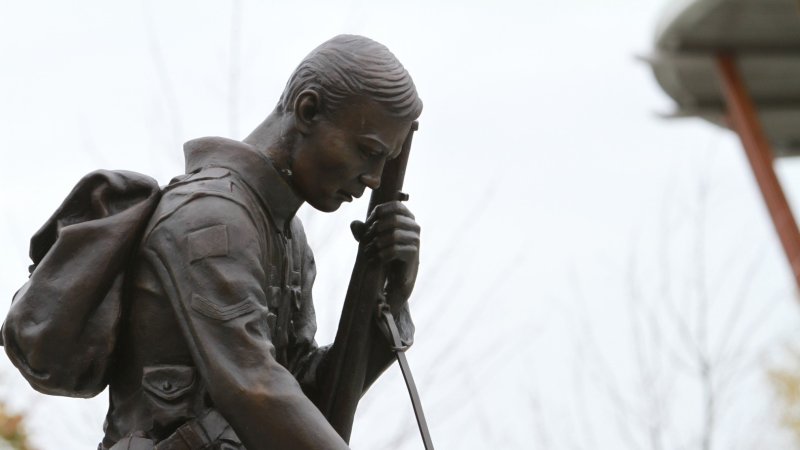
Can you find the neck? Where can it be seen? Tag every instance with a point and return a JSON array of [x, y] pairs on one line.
[[271, 139]]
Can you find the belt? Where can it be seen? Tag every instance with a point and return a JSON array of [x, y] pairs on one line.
[[196, 434]]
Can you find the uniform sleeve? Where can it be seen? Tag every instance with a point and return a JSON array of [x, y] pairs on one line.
[[209, 257], [311, 365]]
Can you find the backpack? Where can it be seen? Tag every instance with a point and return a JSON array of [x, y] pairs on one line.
[[61, 329]]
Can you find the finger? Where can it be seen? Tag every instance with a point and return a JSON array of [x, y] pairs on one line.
[[358, 228], [393, 207], [392, 223], [395, 237], [405, 253]]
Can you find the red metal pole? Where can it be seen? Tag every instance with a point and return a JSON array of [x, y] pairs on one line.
[[744, 118]]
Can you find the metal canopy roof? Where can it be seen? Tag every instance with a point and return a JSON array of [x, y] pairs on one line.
[[764, 35]]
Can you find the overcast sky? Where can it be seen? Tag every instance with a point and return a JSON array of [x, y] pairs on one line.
[[577, 248]]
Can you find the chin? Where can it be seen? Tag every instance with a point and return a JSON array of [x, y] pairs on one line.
[[326, 206]]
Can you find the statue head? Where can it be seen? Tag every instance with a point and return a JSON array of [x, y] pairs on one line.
[[345, 111], [347, 67]]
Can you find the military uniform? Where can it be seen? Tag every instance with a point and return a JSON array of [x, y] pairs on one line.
[[216, 347]]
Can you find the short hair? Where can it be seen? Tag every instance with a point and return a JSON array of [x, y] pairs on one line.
[[347, 66]]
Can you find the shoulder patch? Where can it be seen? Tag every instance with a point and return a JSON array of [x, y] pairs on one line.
[[206, 242]]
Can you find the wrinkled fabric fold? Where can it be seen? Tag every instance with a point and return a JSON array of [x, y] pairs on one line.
[[61, 329]]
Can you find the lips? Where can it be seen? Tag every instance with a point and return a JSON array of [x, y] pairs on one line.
[[349, 196], [346, 196]]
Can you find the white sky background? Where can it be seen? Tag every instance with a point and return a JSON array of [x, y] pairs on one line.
[[558, 210]]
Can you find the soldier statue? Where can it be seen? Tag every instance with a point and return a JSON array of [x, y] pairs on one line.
[[213, 337]]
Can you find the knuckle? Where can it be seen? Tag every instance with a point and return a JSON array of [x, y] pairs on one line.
[[387, 207]]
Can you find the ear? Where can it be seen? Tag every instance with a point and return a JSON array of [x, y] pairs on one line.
[[306, 108]]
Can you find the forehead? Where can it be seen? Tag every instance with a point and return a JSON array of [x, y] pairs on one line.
[[369, 122]]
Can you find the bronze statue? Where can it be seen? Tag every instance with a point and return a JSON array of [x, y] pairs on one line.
[[201, 320]]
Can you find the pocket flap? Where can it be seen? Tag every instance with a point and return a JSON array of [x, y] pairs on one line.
[[168, 382]]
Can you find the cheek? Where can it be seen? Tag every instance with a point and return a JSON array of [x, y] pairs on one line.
[[338, 163]]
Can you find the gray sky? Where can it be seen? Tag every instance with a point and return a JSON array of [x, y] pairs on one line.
[[569, 234]]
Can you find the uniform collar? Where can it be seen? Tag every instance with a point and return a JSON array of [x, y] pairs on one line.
[[253, 168]]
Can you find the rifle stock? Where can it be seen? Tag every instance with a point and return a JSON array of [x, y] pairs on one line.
[[346, 366]]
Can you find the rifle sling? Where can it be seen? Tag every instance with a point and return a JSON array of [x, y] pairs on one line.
[[389, 329]]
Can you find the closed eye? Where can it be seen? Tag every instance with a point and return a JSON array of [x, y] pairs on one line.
[[369, 151]]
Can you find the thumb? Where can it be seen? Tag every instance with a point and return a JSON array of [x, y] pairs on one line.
[[358, 228]]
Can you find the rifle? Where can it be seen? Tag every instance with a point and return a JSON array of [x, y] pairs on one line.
[[347, 361]]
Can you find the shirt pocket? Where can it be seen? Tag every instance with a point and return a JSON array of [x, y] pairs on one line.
[[170, 393]]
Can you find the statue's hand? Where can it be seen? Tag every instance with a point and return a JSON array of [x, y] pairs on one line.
[[391, 235]]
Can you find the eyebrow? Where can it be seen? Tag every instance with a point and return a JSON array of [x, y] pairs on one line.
[[375, 141]]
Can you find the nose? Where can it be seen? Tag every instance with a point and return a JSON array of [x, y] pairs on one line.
[[371, 177], [370, 180]]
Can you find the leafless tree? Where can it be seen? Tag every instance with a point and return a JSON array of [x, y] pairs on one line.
[[693, 333]]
